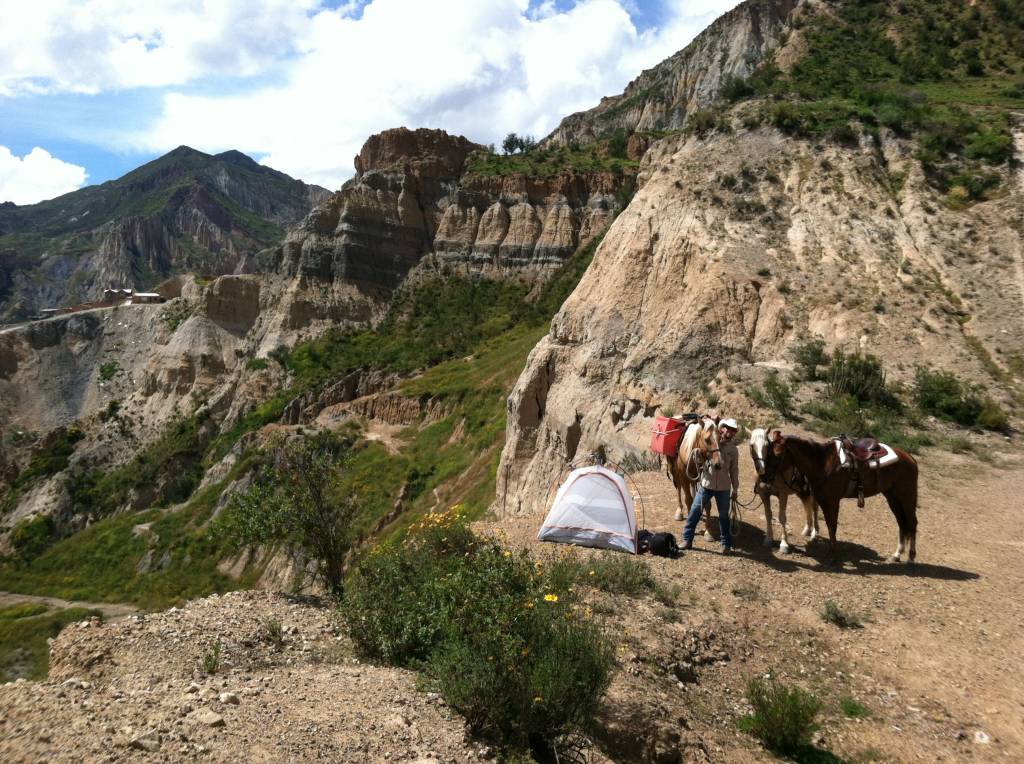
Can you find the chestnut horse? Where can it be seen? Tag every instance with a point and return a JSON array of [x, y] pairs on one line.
[[831, 482], [685, 474], [781, 484]]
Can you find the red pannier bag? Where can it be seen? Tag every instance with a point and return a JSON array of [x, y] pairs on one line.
[[666, 435]]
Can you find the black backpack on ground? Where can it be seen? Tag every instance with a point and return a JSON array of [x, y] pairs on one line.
[[658, 544]]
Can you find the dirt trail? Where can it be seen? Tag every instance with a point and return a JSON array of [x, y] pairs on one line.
[[111, 610], [938, 659]]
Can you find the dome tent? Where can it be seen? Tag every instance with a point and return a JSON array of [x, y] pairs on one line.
[[593, 507]]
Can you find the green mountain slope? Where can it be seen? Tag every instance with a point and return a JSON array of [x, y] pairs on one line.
[[183, 211]]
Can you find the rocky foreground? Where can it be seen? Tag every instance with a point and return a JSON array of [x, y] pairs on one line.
[[156, 688]]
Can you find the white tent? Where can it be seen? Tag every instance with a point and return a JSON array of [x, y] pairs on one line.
[[593, 507]]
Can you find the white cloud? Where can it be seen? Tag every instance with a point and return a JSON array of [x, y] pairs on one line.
[[475, 68], [36, 176], [90, 46]]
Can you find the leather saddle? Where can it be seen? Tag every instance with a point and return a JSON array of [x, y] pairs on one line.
[[864, 449]]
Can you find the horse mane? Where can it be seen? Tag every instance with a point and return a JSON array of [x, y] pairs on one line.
[[689, 441], [816, 447]]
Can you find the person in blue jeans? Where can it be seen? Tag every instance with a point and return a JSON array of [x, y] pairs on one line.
[[720, 483]]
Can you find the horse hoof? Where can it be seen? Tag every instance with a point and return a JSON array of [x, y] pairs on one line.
[[708, 536], [894, 558], [784, 548], [767, 542], [678, 515]]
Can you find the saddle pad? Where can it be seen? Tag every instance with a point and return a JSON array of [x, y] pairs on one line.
[[888, 458]]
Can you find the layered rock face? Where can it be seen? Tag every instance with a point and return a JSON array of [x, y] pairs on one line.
[[708, 276], [662, 97], [414, 201], [186, 211]]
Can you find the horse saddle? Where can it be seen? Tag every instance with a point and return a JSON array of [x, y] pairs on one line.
[[866, 449]]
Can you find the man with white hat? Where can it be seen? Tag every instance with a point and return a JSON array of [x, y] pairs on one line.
[[720, 482]]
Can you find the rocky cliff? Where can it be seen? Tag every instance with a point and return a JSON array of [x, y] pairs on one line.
[[708, 276], [420, 199], [661, 98], [186, 211]]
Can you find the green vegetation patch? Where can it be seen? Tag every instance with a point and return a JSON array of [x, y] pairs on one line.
[[24, 629], [607, 155], [784, 717], [946, 73], [504, 644], [152, 559], [832, 613], [165, 472]]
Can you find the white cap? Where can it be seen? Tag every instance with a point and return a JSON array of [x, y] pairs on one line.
[[730, 423]]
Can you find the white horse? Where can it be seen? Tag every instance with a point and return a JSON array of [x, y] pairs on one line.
[[781, 484]]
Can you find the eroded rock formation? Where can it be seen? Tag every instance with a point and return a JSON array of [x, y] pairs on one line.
[[710, 274], [662, 97]]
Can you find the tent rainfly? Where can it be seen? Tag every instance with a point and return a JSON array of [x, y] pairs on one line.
[[593, 507]]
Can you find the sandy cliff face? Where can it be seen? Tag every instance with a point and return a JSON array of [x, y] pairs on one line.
[[662, 97], [708, 273]]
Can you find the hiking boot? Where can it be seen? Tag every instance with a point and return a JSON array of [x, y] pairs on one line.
[[678, 517], [687, 544]]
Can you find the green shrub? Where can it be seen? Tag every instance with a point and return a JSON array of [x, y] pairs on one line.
[[211, 658], [31, 536], [775, 394], [809, 354], [860, 376], [298, 498], [832, 613], [783, 718], [274, 632], [992, 416], [51, 457], [109, 370], [943, 394], [704, 121], [490, 630], [256, 364]]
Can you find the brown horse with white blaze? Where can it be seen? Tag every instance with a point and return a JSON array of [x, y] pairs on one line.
[[831, 482]]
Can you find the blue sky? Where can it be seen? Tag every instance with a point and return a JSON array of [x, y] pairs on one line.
[[90, 89]]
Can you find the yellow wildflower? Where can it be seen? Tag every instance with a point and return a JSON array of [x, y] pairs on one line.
[[538, 699], [551, 598]]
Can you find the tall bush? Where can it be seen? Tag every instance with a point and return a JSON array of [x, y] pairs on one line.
[[809, 354], [506, 647], [859, 375], [296, 499]]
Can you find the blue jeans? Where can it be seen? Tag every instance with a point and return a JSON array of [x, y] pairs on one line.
[[722, 499]]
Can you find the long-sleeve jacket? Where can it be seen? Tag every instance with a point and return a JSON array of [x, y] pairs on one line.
[[727, 476]]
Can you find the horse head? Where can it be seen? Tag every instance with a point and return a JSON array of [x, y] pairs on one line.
[[708, 442], [774, 455], [759, 448]]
